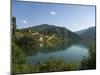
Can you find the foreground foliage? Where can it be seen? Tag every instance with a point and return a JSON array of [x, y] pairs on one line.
[[49, 66], [18, 57], [90, 61]]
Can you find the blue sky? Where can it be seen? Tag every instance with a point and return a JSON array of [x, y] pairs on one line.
[[73, 17]]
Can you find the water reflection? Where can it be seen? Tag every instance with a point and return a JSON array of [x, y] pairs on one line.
[[70, 53], [47, 48]]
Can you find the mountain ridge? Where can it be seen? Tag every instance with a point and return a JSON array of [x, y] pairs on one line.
[[88, 33]]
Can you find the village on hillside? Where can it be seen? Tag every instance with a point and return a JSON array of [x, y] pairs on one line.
[[41, 39]]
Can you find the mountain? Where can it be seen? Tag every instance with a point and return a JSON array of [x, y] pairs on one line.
[[88, 34], [51, 29]]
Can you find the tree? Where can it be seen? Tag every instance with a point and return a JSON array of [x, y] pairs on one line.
[[25, 42], [90, 61], [13, 25]]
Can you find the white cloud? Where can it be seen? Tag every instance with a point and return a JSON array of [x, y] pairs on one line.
[[53, 13], [24, 21]]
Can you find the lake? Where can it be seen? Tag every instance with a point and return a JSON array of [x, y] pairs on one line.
[[70, 54]]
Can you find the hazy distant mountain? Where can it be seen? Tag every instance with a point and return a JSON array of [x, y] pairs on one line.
[[51, 29], [88, 34]]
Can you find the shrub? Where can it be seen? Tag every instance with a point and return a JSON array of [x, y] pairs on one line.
[[25, 42], [18, 57], [90, 61]]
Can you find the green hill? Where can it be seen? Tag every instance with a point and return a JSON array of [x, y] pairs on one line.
[[60, 32]]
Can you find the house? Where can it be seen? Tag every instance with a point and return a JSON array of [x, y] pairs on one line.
[[52, 37], [29, 30], [41, 39]]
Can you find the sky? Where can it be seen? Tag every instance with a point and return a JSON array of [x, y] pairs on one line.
[[72, 17]]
